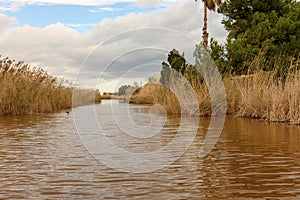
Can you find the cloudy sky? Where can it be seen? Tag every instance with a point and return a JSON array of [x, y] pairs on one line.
[[102, 43]]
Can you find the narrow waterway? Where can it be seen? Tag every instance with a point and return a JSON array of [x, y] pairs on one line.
[[47, 157]]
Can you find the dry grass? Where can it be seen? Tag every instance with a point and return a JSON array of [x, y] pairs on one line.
[[26, 90], [177, 98], [85, 97], [271, 96], [153, 93], [259, 95], [263, 97]]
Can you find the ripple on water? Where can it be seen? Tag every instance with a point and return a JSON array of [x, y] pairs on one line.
[[42, 157]]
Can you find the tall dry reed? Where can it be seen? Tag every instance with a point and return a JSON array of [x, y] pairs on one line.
[[27, 90], [178, 97], [155, 93], [263, 95], [268, 96]]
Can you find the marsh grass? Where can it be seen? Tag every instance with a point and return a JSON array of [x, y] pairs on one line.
[[266, 95], [155, 93], [83, 96], [261, 94], [27, 90]]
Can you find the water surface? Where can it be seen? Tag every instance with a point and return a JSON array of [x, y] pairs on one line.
[[42, 157]]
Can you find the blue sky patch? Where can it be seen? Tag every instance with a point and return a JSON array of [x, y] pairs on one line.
[[81, 18]]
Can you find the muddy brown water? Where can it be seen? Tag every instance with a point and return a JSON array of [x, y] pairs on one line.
[[42, 157]]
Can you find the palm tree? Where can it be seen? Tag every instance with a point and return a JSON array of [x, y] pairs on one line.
[[211, 5]]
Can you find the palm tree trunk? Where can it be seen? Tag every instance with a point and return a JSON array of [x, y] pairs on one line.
[[204, 30]]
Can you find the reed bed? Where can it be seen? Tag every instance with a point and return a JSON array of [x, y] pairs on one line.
[[178, 97], [155, 93], [262, 95], [83, 96], [27, 90]]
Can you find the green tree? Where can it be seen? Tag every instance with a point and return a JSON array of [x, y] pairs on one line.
[[255, 26], [217, 53], [177, 61], [123, 89], [192, 75], [210, 5]]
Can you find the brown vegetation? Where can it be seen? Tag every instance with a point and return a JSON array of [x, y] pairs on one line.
[[263, 95], [27, 90]]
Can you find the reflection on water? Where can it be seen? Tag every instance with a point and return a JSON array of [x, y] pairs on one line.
[[41, 157]]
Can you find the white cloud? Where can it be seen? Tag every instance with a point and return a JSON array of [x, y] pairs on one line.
[[107, 9], [16, 4], [151, 3], [66, 2], [83, 28], [80, 25], [7, 22], [61, 50], [52, 47], [12, 6]]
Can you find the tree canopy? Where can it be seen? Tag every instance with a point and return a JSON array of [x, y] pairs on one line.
[[255, 26]]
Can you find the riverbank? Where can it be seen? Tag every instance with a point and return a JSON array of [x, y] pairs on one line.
[[260, 95], [28, 90]]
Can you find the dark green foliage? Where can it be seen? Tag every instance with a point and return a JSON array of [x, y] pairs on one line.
[[270, 26], [177, 61], [217, 53], [123, 89]]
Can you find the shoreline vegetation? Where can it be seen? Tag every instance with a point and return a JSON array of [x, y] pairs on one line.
[[260, 95], [259, 64], [30, 90]]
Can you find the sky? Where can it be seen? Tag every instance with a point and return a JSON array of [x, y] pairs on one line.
[[102, 43]]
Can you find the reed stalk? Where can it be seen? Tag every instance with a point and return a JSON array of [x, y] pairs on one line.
[[261, 94], [27, 90]]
